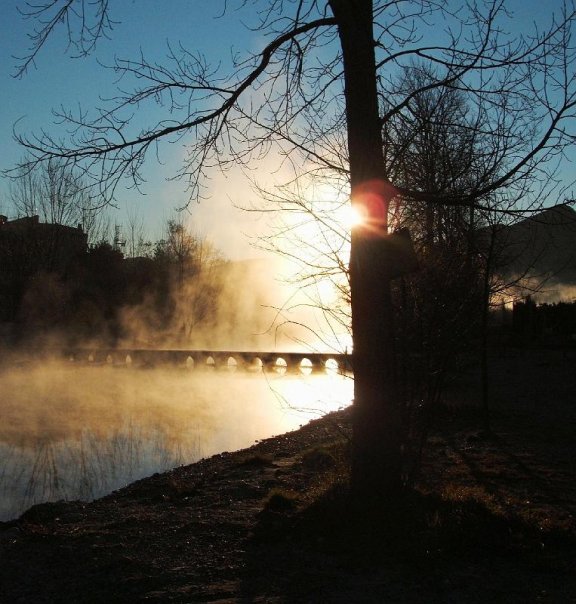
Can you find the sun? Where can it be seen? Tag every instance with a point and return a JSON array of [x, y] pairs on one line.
[[331, 203], [349, 217]]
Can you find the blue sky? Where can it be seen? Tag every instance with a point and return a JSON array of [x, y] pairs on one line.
[[59, 80], [147, 24]]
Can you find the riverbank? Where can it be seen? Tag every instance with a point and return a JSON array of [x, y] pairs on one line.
[[491, 519]]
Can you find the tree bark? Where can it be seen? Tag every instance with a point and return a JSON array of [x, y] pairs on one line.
[[376, 461]]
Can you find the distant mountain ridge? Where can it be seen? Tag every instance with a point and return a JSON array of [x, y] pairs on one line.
[[541, 251]]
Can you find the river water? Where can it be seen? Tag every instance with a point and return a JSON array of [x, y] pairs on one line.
[[79, 432]]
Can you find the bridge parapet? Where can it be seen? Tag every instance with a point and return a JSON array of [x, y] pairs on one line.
[[304, 362]]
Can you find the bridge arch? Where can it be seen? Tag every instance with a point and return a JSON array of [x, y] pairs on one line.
[[331, 365], [280, 365], [255, 364]]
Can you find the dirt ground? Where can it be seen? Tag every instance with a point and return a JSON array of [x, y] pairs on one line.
[[491, 517]]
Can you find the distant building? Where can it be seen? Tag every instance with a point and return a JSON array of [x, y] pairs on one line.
[[29, 248], [57, 242]]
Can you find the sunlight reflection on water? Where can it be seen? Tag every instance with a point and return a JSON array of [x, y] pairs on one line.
[[72, 432]]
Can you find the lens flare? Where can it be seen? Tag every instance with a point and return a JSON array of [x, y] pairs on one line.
[[372, 199]]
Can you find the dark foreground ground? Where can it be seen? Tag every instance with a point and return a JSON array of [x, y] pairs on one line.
[[491, 518]]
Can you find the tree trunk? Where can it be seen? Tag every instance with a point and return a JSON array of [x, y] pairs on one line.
[[376, 463]]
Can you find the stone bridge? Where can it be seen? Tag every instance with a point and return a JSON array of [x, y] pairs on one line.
[[303, 362]]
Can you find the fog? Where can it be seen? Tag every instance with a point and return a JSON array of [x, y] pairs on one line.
[[248, 305], [73, 431], [245, 305], [541, 289]]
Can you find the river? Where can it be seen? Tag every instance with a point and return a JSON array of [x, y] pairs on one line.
[[79, 432]]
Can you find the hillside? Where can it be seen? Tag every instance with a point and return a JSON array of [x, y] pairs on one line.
[[540, 249]]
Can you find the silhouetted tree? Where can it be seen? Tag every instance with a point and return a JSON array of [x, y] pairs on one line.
[[174, 292], [325, 63], [56, 194], [137, 243]]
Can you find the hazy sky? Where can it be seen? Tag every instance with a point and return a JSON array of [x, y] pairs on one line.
[[59, 80]]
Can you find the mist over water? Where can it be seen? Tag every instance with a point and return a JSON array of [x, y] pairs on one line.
[[70, 430], [78, 432]]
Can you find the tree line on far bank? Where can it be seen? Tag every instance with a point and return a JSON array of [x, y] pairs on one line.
[[55, 288]]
